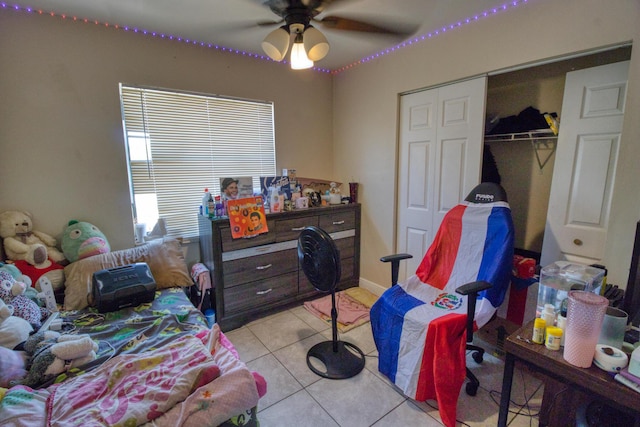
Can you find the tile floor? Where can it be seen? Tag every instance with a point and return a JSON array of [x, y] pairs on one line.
[[276, 347]]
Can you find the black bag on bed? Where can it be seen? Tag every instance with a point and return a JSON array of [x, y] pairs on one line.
[[126, 286]]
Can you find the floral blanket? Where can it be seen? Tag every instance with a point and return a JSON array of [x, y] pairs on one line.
[[158, 365]]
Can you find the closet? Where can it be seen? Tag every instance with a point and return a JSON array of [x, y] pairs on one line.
[[525, 160]]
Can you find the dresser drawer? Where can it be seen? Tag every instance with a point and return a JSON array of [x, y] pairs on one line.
[[231, 244], [346, 247], [259, 293], [338, 221], [289, 229], [260, 267]]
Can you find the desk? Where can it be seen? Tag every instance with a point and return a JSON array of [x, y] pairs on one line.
[[592, 380]]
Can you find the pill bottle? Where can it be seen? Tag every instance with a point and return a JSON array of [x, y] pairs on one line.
[[538, 331], [549, 314], [554, 334]]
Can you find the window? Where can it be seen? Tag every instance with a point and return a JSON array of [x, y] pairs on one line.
[[180, 143]]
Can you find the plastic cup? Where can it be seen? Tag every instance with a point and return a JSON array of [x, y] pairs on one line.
[[585, 313], [614, 325]]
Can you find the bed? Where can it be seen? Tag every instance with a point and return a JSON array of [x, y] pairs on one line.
[[157, 364]]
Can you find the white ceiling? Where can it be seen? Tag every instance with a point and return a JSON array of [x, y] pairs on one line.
[[233, 23]]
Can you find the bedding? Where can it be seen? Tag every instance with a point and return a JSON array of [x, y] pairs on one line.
[[158, 364]]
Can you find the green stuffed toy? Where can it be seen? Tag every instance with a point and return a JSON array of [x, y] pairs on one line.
[[82, 240]]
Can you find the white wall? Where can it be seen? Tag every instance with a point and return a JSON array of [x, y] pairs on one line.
[[63, 153], [366, 107]]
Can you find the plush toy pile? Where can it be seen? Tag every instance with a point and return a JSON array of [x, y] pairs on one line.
[[12, 293], [32, 255]]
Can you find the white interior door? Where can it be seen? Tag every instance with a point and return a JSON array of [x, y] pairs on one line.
[[585, 165], [440, 160]]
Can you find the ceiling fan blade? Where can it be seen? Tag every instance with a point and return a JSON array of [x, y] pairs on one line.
[[348, 24], [269, 23]]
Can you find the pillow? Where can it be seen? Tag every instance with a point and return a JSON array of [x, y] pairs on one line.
[[164, 257]]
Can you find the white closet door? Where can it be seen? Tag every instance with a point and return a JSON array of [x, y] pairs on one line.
[[585, 165], [440, 160]]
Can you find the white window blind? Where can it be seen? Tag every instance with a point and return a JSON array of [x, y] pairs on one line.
[[180, 143]]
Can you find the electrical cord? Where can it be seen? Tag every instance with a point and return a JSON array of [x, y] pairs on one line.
[[532, 411]]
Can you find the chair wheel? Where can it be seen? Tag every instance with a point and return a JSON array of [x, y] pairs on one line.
[[477, 356], [471, 389]]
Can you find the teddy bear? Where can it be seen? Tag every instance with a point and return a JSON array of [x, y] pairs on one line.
[[13, 329], [11, 293], [81, 240], [52, 354], [21, 242]]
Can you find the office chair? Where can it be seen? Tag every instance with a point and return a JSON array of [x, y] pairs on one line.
[[320, 261], [423, 326]]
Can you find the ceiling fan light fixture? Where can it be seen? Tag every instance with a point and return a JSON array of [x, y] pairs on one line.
[[276, 44], [299, 58], [315, 44]]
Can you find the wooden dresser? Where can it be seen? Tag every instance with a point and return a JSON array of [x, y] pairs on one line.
[[256, 276]]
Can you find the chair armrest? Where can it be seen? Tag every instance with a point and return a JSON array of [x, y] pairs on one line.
[[473, 287], [395, 257], [395, 265]]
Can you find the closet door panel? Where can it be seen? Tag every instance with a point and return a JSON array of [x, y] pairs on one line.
[[585, 165], [440, 159]]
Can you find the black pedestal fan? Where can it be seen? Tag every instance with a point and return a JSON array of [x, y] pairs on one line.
[[320, 260]]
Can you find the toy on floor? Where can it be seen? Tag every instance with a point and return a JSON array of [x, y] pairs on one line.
[[81, 240], [22, 242], [52, 354], [13, 330], [12, 293]]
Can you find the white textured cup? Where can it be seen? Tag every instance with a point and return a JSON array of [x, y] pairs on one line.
[[585, 313]]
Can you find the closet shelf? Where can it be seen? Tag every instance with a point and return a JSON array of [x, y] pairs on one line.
[[541, 140]]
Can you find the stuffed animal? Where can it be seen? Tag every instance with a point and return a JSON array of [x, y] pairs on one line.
[[51, 270], [11, 293], [13, 329], [16, 273], [22, 242], [81, 240], [52, 354]]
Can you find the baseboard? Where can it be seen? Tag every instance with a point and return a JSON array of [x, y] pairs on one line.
[[372, 287]]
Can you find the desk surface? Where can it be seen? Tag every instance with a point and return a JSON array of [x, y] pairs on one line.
[[592, 379]]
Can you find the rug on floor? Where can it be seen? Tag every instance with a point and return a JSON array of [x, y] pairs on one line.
[[352, 304]]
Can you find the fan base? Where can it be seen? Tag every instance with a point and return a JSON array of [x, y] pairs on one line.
[[340, 364]]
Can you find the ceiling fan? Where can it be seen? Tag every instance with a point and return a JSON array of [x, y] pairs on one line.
[[309, 43]]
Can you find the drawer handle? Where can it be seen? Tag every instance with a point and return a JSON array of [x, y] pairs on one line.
[[266, 291], [263, 267], [577, 242], [298, 228], [338, 222]]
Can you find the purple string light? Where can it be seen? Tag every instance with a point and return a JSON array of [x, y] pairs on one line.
[[366, 59]]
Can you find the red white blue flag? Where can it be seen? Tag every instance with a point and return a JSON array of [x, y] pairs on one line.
[[419, 325]]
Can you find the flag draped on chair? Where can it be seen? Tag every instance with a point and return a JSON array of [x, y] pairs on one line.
[[419, 326]]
